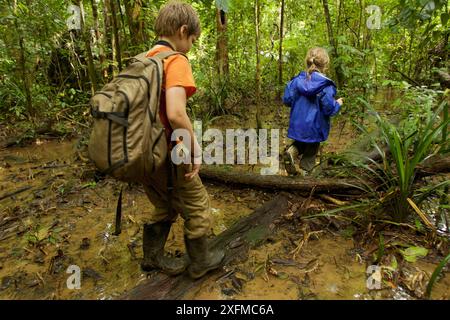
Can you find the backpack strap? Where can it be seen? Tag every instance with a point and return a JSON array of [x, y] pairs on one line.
[[142, 57], [165, 54]]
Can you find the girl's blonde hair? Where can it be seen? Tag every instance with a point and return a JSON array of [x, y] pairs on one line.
[[317, 59]]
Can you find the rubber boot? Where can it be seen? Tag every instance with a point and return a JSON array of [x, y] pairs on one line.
[[154, 239], [202, 258], [289, 162]]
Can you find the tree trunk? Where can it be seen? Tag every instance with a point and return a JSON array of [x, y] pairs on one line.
[[87, 43], [412, 34], [277, 182], [108, 69], [117, 55], [135, 23], [97, 33], [222, 44], [258, 65], [246, 233], [26, 81], [280, 54], [122, 24], [333, 42], [360, 22], [22, 64], [435, 165]]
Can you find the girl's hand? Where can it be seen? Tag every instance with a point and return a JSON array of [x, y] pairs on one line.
[[340, 101]]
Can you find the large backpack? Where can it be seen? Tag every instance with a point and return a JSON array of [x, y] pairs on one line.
[[128, 140]]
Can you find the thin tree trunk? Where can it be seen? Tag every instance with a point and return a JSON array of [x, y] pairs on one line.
[[97, 33], [76, 62], [116, 48], [332, 40], [26, 80], [108, 38], [359, 23], [258, 65], [122, 22], [339, 20], [280, 54], [412, 34], [87, 43], [135, 24], [222, 44]]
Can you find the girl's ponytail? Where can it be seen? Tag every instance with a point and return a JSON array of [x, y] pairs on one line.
[[311, 65], [317, 59]]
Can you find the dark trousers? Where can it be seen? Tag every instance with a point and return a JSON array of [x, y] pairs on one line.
[[307, 152]]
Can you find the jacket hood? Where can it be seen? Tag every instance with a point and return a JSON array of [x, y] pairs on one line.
[[313, 85]]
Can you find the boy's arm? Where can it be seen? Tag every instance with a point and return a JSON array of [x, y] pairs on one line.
[[329, 105], [176, 113]]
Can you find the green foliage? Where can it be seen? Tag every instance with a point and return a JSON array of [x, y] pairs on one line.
[[40, 235], [409, 144], [435, 275], [30, 30], [414, 12], [411, 254]]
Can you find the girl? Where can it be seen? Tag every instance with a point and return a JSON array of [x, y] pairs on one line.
[[310, 95]]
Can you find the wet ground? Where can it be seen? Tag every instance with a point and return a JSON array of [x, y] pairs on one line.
[[64, 218], [67, 219]]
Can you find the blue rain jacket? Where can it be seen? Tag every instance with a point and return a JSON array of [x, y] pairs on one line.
[[312, 104]]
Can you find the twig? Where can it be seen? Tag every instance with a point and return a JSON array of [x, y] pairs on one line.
[[333, 200], [13, 193], [405, 76], [74, 121], [305, 239]]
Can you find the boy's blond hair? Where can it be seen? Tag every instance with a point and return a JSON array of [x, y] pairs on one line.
[[317, 59], [175, 14]]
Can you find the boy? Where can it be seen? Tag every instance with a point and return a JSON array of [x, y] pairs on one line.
[[178, 27]]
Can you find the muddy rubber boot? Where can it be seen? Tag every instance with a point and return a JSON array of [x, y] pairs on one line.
[[289, 163], [154, 239], [202, 258]]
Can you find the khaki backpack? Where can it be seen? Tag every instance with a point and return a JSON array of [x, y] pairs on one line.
[[128, 140]]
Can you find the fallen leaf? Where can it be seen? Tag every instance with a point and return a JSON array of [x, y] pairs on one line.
[[412, 253]]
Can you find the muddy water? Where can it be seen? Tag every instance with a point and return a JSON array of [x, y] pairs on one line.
[[66, 219], [328, 268]]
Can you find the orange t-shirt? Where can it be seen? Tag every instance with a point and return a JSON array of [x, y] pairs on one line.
[[177, 73]]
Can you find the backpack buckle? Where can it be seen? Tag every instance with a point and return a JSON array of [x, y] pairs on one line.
[[98, 114]]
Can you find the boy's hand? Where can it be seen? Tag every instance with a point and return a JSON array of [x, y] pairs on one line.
[[195, 170], [340, 101]]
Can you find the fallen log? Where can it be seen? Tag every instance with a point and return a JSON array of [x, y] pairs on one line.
[[246, 233], [281, 182], [444, 78], [435, 165]]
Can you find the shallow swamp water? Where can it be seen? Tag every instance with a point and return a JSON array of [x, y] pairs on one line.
[[65, 218]]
